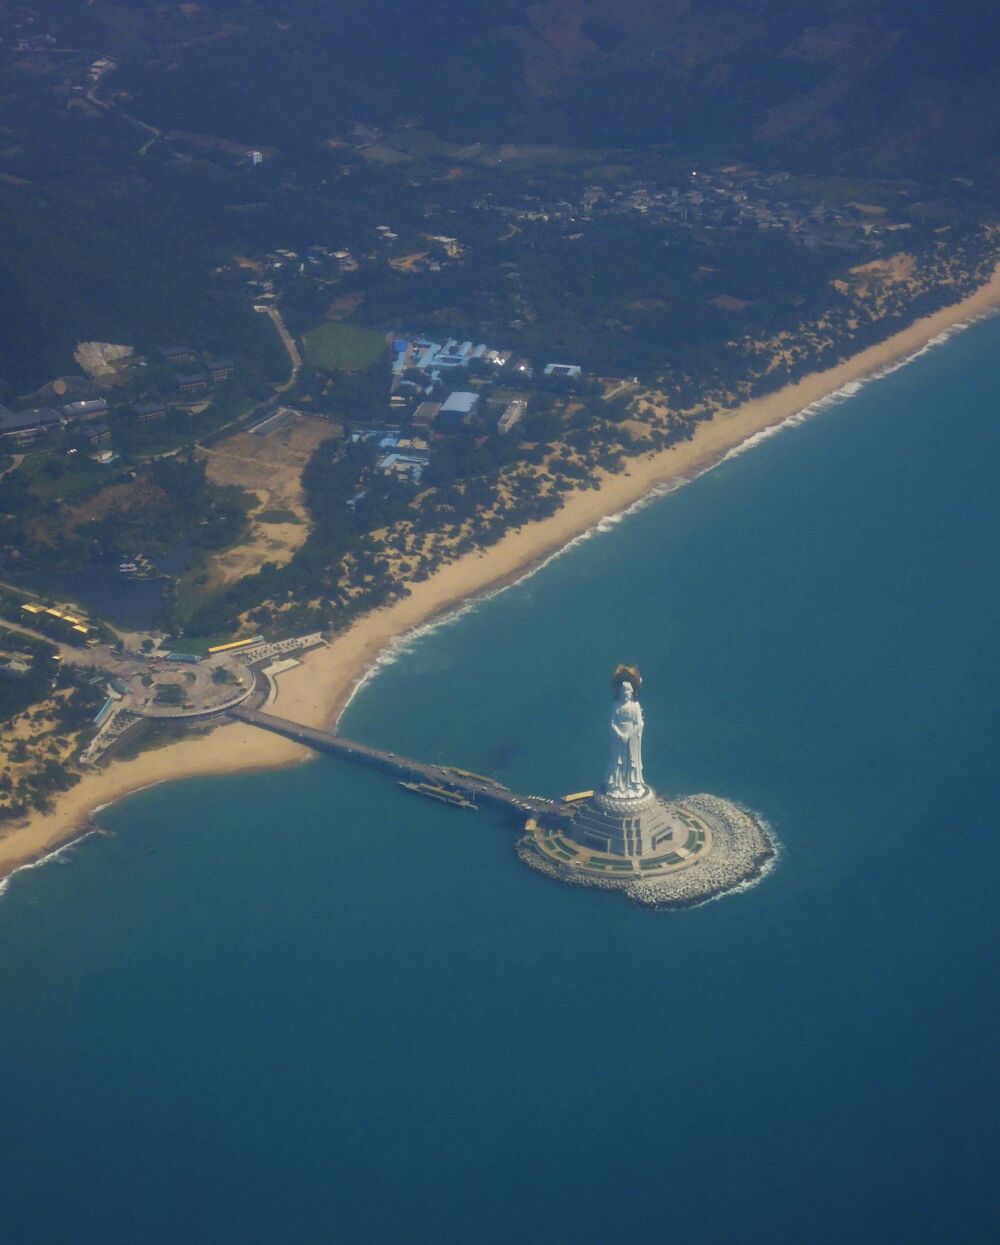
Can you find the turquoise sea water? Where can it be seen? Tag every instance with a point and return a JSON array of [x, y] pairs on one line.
[[305, 1007]]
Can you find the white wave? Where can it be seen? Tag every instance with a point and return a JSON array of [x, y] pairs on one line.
[[766, 869], [853, 387], [58, 854], [402, 644]]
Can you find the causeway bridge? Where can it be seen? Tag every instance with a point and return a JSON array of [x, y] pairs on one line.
[[475, 787]]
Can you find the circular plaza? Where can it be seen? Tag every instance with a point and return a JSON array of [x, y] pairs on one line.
[[168, 689]]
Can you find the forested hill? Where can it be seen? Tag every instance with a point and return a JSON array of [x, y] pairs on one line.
[[128, 197], [870, 86]]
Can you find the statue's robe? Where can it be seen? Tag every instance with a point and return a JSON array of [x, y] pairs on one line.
[[625, 770]]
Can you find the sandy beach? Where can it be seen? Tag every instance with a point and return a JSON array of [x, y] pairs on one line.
[[316, 692]]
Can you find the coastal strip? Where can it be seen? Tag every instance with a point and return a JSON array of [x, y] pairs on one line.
[[317, 692]]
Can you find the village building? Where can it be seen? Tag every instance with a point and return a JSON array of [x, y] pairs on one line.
[[98, 434], [177, 354], [456, 412], [220, 370], [191, 383], [85, 409], [149, 412], [512, 415], [23, 427], [425, 414]]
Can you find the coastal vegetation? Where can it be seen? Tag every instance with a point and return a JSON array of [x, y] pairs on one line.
[[62, 511], [45, 717], [677, 259]]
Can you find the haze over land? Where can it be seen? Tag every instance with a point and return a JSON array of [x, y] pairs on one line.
[[317, 300], [325, 322], [114, 243]]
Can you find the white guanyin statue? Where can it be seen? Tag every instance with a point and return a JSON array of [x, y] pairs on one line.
[[624, 780]]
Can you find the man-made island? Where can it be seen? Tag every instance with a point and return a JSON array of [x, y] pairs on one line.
[[316, 690], [624, 837], [328, 360], [660, 853]]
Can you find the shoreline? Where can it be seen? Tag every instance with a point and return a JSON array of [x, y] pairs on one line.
[[317, 692]]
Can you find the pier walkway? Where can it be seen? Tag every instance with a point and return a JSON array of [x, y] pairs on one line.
[[475, 787]]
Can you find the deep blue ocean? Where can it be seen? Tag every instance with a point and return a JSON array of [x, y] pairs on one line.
[[305, 1006]]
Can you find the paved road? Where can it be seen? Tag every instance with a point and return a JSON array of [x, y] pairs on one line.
[[102, 657], [288, 341], [68, 652], [16, 461], [624, 387]]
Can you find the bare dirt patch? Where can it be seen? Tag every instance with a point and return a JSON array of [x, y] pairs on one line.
[[344, 305], [406, 262], [869, 280], [271, 468], [894, 268]]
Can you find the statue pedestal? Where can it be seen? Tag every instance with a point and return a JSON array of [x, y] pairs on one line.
[[626, 826]]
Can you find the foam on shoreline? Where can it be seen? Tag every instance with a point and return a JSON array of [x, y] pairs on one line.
[[742, 852], [58, 853], [399, 646], [319, 692]]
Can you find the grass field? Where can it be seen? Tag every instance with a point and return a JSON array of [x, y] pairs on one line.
[[343, 346], [80, 477]]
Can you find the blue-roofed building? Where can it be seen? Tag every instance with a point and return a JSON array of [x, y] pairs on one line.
[[433, 357], [409, 466]]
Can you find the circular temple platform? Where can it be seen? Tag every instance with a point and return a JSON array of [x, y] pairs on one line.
[[661, 853]]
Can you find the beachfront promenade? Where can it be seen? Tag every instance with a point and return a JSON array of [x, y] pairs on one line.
[[475, 787]]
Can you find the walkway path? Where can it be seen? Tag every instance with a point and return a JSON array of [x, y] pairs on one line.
[[475, 787], [288, 341]]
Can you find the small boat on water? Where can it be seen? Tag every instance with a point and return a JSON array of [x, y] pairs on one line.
[[136, 568], [443, 794], [468, 773]]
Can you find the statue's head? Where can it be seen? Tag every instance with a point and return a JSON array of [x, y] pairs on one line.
[[626, 681]]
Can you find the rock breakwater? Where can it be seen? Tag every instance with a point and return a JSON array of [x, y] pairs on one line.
[[742, 851]]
